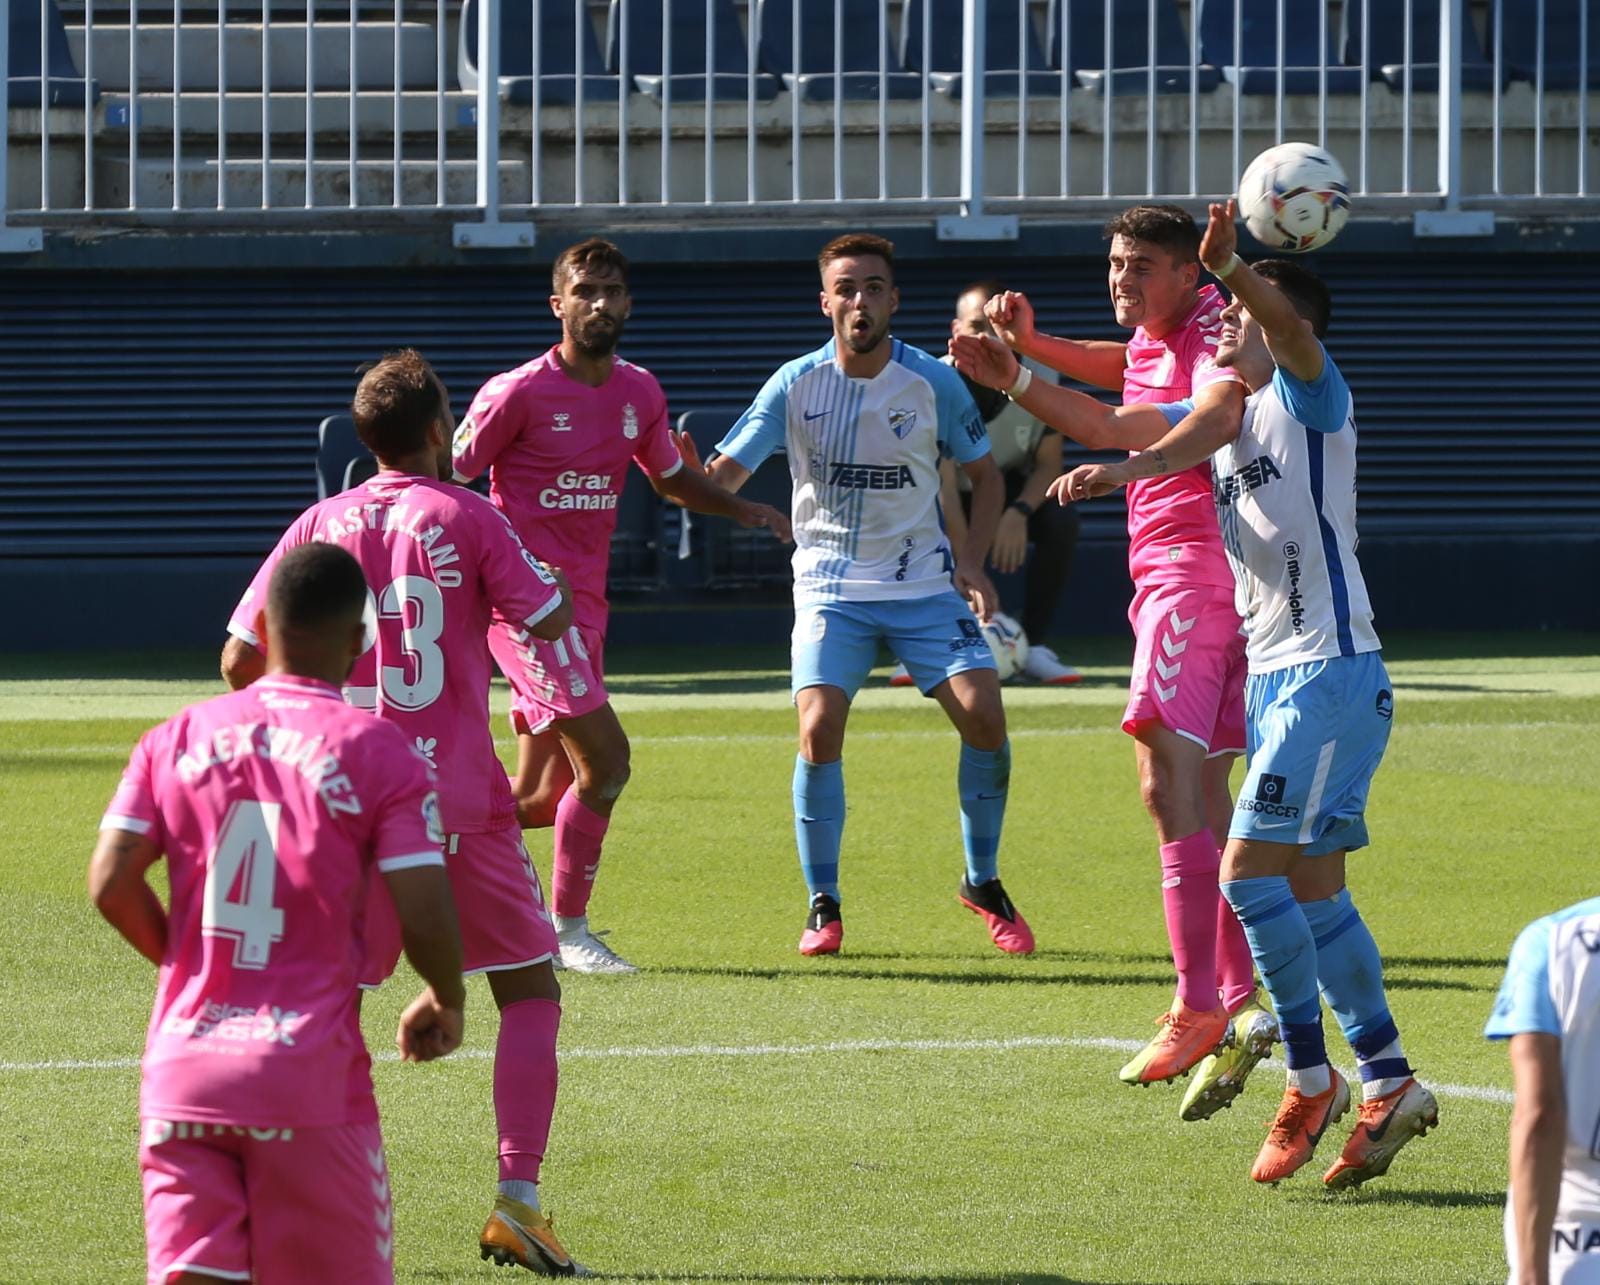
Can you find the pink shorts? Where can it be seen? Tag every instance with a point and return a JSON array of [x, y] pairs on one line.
[[550, 680], [274, 1206], [499, 901], [1188, 665]]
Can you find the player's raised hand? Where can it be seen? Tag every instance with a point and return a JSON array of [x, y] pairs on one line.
[[1087, 482], [984, 360], [428, 1029], [1011, 315], [758, 515], [687, 449], [975, 586], [1221, 241]]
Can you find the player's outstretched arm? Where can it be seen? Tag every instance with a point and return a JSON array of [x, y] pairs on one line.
[[1090, 361], [1084, 419], [701, 491], [1538, 1138], [431, 1026], [1212, 424], [1291, 339], [119, 891]]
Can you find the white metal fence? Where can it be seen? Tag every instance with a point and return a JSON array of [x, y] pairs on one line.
[[344, 112]]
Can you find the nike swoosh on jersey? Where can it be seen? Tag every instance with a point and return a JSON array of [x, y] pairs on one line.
[[818, 415]]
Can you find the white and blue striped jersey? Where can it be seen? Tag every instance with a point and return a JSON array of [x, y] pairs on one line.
[[1552, 987], [864, 456], [1286, 505]]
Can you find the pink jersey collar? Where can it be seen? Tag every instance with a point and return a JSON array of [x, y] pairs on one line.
[[300, 683]]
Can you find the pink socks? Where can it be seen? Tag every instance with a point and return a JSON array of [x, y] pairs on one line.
[[580, 831], [1236, 971], [525, 1085], [1189, 894]]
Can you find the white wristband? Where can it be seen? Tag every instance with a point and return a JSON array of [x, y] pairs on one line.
[[1233, 264], [1024, 378]]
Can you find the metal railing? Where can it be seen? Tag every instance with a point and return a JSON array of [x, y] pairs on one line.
[[342, 112]]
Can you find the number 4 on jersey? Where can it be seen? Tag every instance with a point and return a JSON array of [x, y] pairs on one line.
[[241, 879]]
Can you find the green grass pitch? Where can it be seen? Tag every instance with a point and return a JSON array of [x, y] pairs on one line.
[[920, 1109]]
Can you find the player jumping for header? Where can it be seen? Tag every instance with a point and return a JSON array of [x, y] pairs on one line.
[[1319, 699]]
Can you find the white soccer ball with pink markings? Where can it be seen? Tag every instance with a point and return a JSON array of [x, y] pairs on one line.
[[1294, 197]]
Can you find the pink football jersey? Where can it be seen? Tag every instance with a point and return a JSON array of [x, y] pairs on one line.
[[557, 452], [1172, 521], [272, 805], [441, 562]]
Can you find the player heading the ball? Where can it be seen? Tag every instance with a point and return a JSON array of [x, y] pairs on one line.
[[1320, 701]]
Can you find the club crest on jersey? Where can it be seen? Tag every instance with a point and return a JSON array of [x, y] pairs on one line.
[[561, 422], [630, 422], [576, 687], [901, 421]]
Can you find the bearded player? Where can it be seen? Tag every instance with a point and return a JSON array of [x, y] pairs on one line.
[[557, 435]]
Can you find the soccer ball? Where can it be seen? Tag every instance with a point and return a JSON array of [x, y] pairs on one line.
[[1008, 643], [1294, 197]]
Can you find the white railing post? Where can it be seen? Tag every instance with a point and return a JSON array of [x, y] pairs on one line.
[[13, 240], [972, 224], [490, 233], [1450, 219]]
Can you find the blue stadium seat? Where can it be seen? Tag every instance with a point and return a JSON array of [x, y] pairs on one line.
[[1386, 30], [729, 78], [1004, 58], [1562, 67], [811, 74], [1084, 46], [732, 555], [1256, 72], [342, 459], [25, 86], [566, 38]]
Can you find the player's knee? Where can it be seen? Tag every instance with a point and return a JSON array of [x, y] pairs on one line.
[[822, 740], [605, 776], [984, 727]]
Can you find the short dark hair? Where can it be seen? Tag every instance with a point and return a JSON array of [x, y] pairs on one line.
[[854, 244], [395, 402], [988, 287], [316, 587], [594, 254], [1169, 226], [1304, 288]]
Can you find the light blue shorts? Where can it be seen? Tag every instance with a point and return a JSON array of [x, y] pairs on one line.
[[836, 643], [1317, 733]]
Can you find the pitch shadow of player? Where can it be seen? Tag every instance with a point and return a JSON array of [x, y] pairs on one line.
[[830, 969], [878, 1278], [1421, 1199]]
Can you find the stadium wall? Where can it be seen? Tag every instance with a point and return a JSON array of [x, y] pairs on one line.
[[163, 393]]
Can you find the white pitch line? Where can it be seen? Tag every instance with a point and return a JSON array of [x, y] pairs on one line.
[[1473, 1092], [787, 738]]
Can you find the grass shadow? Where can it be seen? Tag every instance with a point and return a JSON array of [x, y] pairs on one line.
[[828, 971], [1430, 1199]]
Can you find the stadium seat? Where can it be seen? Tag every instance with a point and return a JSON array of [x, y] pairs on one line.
[[564, 43], [811, 73], [25, 86], [729, 74], [1386, 30], [1256, 71], [1084, 47], [1003, 57], [733, 556], [1563, 63], [342, 460]]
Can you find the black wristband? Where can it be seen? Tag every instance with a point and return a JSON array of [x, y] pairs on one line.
[[1022, 507]]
